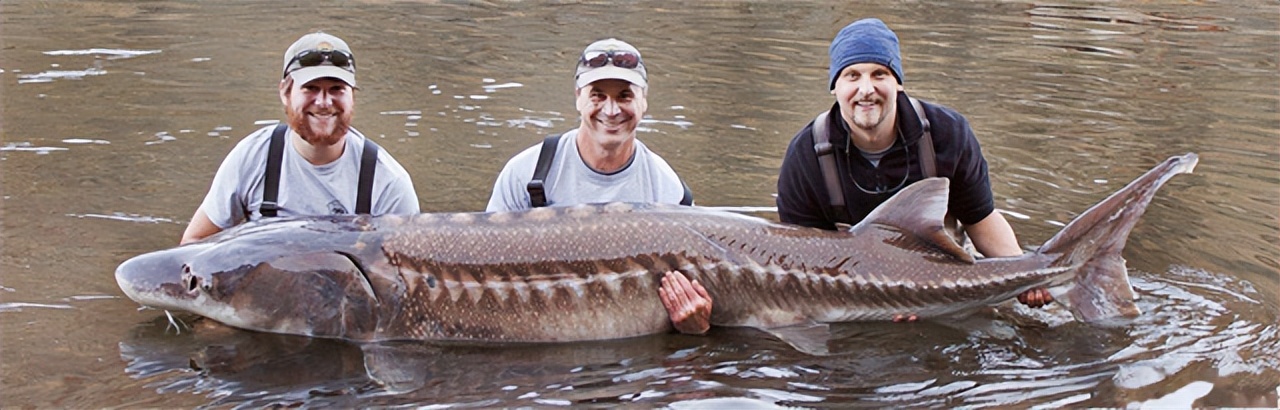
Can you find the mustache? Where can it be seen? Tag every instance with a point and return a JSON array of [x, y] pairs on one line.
[[298, 122]]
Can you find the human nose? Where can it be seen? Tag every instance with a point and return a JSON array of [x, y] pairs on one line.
[[610, 107], [864, 86], [324, 98]]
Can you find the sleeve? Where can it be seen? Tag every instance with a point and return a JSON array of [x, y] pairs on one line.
[[398, 196], [971, 198], [509, 190], [227, 202], [800, 202], [403, 199], [671, 188]]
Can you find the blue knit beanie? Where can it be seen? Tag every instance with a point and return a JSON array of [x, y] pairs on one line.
[[865, 41]]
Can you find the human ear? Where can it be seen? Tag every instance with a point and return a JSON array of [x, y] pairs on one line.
[[285, 85]]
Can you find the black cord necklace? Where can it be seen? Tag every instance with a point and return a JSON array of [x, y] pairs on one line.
[[906, 175]]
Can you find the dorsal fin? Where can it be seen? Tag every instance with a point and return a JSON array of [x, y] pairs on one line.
[[919, 209]]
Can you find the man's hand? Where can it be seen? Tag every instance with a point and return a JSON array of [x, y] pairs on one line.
[[1035, 298], [687, 303]]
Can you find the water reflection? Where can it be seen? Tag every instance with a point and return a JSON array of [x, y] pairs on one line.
[[252, 369], [1200, 339]]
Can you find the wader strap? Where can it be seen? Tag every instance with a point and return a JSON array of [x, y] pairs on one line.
[[929, 166], [275, 154], [537, 186], [827, 159], [368, 165], [271, 186], [928, 159], [687, 199]]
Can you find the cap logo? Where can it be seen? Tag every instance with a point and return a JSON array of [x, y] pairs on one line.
[[324, 46]]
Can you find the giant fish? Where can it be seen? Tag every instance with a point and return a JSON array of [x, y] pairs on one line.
[[592, 272]]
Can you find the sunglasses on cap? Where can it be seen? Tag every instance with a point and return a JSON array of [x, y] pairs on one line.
[[312, 58], [597, 59]]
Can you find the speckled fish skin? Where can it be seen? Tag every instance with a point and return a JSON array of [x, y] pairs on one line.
[[592, 272]]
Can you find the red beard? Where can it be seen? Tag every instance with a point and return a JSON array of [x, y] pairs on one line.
[[298, 122]]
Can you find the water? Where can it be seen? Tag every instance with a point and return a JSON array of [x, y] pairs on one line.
[[116, 114]]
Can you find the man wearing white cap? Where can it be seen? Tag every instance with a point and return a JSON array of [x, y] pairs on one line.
[[315, 164], [602, 161]]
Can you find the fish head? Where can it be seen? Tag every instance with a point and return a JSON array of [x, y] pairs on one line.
[[284, 280]]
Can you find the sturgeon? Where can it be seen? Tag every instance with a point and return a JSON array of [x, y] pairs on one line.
[[592, 272]]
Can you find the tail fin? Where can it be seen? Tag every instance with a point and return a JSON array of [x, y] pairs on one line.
[[1094, 242]]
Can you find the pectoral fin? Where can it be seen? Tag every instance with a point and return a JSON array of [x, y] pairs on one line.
[[809, 338], [399, 367]]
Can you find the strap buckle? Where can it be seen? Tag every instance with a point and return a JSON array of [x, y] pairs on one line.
[[823, 148], [537, 195]]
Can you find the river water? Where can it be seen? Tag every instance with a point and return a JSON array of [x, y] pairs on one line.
[[116, 114]]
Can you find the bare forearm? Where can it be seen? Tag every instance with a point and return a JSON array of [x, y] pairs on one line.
[[994, 237], [199, 228]]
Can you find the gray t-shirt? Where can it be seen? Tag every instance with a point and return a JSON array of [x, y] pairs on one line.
[[305, 189], [570, 181]]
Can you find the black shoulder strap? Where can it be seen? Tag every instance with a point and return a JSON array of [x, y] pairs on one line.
[[271, 187], [536, 187], [928, 159], [687, 200], [275, 154], [368, 165], [827, 161]]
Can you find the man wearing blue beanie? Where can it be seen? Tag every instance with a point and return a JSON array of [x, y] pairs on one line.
[[875, 140]]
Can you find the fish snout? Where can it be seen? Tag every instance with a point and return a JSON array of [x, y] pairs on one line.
[[144, 277]]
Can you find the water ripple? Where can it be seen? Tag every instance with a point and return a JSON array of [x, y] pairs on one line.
[[108, 52], [120, 216], [49, 76]]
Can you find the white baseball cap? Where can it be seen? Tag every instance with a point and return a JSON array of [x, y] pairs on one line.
[[333, 58], [611, 59]]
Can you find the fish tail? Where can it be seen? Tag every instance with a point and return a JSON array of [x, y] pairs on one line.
[[1094, 241]]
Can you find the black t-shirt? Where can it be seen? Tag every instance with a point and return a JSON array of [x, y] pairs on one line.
[[802, 192]]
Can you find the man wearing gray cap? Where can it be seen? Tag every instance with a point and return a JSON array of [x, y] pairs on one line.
[[315, 164], [602, 161], [875, 140]]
